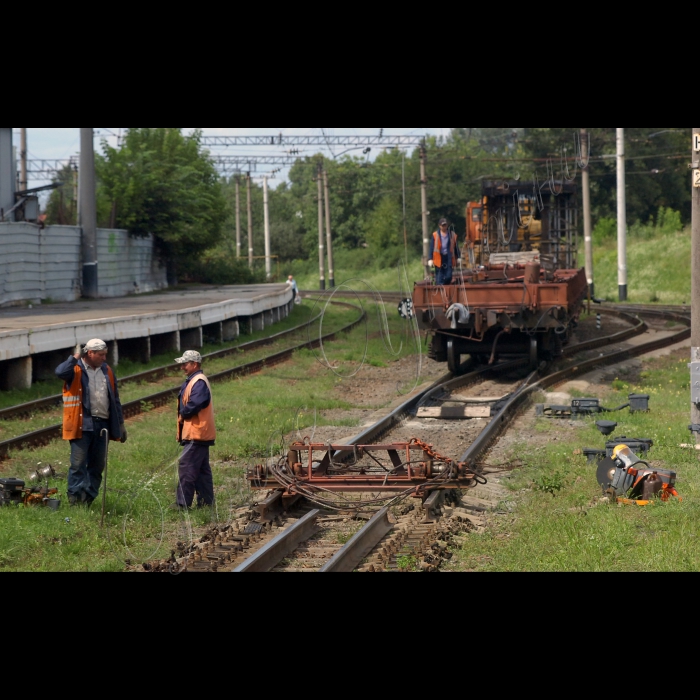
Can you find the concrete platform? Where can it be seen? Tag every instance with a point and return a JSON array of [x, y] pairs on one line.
[[34, 341]]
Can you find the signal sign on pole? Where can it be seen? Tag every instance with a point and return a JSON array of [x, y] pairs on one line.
[[696, 143], [696, 178]]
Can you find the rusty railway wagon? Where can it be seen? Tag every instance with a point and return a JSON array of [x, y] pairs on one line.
[[518, 291]]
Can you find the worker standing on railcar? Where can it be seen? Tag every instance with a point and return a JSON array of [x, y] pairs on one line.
[[91, 412], [196, 432], [444, 252]]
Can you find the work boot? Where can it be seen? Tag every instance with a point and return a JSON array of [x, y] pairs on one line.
[[73, 500]]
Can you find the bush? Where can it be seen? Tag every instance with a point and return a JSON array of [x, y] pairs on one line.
[[604, 231], [221, 270], [667, 222]]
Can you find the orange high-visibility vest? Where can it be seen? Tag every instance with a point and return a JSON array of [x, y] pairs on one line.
[[437, 248], [73, 404], [200, 428]]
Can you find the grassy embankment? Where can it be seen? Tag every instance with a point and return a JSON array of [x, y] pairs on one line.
[[554, 520], [658, 269], [252, 415]]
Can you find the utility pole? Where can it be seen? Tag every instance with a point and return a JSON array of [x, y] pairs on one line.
[[424, 206], [88, 213], [76, 190], [321, 245], [266, 206], [695, 302], [587, 222], [250, 224], [621, 216], [329, 233], [23, 181], [238, 218]]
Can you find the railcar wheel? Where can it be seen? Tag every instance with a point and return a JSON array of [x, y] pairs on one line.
[[454, 358], [534, 354]]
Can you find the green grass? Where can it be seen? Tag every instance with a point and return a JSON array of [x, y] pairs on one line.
[[252, 414], [334, 318], [658, 269], [556, 521]]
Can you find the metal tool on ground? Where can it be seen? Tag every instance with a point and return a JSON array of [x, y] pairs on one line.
[[11, 492], [15, 492], [637, 445], [105, 436], [637, 403], [627, 479]]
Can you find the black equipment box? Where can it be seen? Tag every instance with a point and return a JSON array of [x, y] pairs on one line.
[[11, 492], [640, 446], [585, 406]]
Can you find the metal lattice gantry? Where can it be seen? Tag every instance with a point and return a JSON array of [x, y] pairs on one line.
[[383, 140], [47, 169]]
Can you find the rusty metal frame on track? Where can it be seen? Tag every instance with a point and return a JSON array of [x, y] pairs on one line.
[[360, 546], [278, 549], [134, 408]]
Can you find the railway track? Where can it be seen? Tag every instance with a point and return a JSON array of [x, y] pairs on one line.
[[147, 403], [411, 538]]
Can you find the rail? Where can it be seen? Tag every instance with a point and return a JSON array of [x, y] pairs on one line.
[[134, 408]]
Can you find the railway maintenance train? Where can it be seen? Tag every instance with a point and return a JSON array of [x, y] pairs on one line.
[[517, 291]]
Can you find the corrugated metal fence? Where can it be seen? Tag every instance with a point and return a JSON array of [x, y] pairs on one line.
[[44, 264]]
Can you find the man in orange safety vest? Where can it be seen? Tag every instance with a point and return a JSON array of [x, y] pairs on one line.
[[444, 251]]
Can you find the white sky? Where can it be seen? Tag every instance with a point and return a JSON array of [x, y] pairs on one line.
[[49, 144]]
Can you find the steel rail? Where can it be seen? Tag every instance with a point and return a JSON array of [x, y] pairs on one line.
[[148, 403], [278, 549], [360, 546], [479, 447], [159, 372]]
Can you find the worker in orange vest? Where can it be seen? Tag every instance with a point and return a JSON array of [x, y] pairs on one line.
[[444, 251], [91, 412], [196, 432]]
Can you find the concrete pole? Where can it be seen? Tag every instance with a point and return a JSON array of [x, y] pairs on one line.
[[695, 267], [329, 233], [250, 223], [321, 244], [266, 206], [88, 213], [587, 222], [23, 180], [238, 218], [424, 207], [621, 217]]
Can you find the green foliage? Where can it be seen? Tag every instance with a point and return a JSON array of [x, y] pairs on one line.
[[162, 183], [218, 267], [550, 483], [666, 222], [605, 230]]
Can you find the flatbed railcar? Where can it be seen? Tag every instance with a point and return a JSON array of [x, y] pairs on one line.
[[518, 292]]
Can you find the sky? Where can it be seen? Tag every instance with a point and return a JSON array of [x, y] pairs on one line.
[[50, 144]]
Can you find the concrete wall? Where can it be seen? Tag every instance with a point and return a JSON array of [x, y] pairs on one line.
[[40, 264]]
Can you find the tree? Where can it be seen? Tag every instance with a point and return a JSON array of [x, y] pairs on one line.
[[163, 183]]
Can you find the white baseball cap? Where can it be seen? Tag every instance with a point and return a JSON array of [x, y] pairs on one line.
[[96, 345]]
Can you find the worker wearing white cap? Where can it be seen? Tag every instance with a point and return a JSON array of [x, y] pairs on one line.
[[196, 432], [91, 412]]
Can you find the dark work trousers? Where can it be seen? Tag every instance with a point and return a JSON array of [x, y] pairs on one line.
[[195, 476], [443, 276], [87, 462]]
